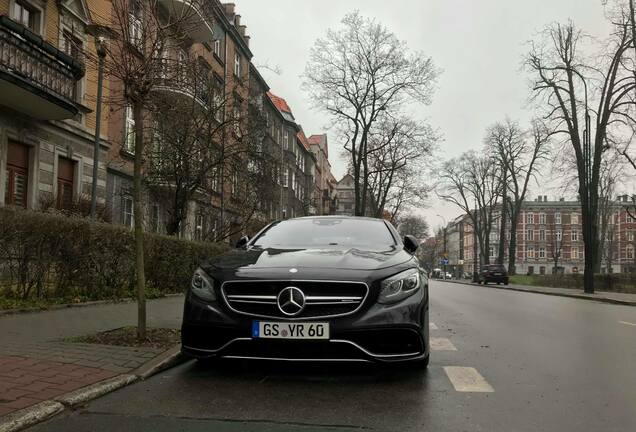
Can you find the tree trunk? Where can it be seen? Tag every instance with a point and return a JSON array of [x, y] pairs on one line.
[[512, 248], [138, 219], [502, 230]]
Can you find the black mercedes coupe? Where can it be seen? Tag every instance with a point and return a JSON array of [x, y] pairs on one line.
[[324, 288]]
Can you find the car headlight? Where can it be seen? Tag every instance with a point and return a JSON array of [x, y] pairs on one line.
[[399, 286], [203, 286]]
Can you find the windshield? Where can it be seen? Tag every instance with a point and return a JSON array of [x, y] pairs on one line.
[[324, 232]]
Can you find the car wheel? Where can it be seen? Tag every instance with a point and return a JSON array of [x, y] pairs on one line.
[[421, 364], [505, 283], [498, 283], [485, 282]]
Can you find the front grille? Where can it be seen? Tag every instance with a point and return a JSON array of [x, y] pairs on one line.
[[323, 299]]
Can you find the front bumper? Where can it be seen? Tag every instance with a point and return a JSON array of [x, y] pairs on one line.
[[376, 333]]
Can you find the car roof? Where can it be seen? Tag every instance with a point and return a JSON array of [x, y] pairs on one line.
[[341, 217]]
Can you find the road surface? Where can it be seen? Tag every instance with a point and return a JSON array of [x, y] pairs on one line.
[[502, 361]]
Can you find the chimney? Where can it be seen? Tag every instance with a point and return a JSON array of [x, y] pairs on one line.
[[539, 198], [247, 40], [561, 199], [229, 11], [241, 30], [545, 198], [237, 20]]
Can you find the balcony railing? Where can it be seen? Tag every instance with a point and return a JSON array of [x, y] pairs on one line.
[[26, 58]]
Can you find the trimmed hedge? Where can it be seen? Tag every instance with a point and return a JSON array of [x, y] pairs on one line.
[[52, 256], [615, 282]]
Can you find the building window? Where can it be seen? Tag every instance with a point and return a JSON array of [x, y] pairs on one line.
[[154, 218], [216, 47], [214, 182], [529, 234], [65, 183], [235, 182], [557, 218], [285, 177], [285, 141], [129, 131], [574, 219], [17, 177], [630, 252], [575, 235], [236, 114], [530, 218], [530, 252], [559, 235], [542, 218], [574, 254], [198, 226], [542, 253], [128, 217], [27, 15], [135, 31], [491, 251], [629, 218], [74, 48], [542, 235], [237, 64], [630, 236]]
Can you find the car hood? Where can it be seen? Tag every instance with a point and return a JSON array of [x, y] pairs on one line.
[[323, 258]]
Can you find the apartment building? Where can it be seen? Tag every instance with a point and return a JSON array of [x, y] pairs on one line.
[[47, 120], [47, 102], [325, 190], [345, 193], [296, 161], [550, 238]]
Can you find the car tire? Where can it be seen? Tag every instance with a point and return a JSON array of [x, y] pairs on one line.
[[505, 283], [485, 282], [421, 364]]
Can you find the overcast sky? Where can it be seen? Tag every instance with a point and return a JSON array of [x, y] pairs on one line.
[[478, 44]]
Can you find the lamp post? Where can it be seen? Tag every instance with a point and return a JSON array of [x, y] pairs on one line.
[[99, 32]]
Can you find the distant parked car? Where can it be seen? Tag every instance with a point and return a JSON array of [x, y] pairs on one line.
[[448, 275], [493, 273]]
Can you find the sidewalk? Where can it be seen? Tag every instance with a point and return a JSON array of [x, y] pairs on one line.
[[36, 364], [602, 296]]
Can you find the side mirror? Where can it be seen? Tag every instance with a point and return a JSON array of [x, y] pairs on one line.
[[242, 242], [410, 244]]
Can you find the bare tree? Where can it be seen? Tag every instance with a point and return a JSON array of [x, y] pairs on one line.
[[140, 33], [519, 155], [473, 183], [399, 148], [413, 224], [358, 73], [582, 101]]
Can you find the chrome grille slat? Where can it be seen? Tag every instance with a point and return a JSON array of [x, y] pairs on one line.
[[259, 298]]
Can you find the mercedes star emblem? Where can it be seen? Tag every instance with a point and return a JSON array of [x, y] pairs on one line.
[[291, 301]]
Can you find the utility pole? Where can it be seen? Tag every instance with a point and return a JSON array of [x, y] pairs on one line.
[[101, 54]]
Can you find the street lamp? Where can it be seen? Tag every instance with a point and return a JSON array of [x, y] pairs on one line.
[[100, 33], [445, 259]]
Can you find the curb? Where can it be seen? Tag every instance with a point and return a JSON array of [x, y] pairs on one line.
[[558, 294], [5, 312], [34, 414]]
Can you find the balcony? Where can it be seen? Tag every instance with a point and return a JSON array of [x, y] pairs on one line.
[[36, 78], [195, 21]]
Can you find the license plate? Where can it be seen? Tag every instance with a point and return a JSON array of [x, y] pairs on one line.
[[290, 330]]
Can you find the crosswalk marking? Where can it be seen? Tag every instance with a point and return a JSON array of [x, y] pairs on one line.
[[627, 323], [467, 379], [432, 326], [442, 344]]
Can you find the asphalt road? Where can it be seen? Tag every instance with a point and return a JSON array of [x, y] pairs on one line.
[[541, 363]]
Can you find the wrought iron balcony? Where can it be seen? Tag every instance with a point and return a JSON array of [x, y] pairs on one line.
[[35, 77]]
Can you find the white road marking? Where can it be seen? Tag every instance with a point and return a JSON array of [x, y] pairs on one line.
[[627, 323], [442, 344], [432, 326], [467, 379]]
